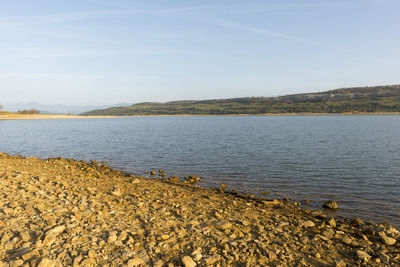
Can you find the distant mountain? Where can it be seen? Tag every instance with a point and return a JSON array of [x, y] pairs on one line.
[[55, 109], [357, 99]]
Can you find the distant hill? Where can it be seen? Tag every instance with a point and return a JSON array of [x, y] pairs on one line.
[[54, 109], [358, 99]]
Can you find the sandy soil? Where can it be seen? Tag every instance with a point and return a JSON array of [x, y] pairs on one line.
[[13, 116]]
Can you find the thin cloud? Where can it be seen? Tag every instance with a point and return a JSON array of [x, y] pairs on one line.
[[76, 16], [184, 12], [103, 53], [237, 26]]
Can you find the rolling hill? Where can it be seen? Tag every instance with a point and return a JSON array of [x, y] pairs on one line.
[[358, 99]]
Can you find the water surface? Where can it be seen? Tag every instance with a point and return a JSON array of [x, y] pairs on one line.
[[352, 159]]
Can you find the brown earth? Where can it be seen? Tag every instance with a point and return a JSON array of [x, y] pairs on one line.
[[61, 212]]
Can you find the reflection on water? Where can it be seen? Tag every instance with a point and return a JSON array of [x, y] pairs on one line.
[[352, 159]]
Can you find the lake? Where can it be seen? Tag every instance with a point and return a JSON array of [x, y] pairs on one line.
[[354, 160]]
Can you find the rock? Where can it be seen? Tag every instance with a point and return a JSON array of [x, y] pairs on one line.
[[153, 173], [387, 240], [51, 235], [88, 262], [212, 259], [135, 262], [362, 255], [332, 223], [357, 222], [187, 261], [164, 237], [117, 192], [25, 236], [16, 263], [308, 224], [92, 254], [56, 230], [158, 264], [225, 225], [347, 240], [384, 258], [196, 255], [340, 263], [46, 262], [331, 205], [112, 239], [328, 233]]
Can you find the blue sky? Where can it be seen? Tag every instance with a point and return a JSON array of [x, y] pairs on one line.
[[105, 52]]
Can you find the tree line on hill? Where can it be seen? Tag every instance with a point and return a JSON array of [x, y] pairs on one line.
[[24, 111], [358, 99]]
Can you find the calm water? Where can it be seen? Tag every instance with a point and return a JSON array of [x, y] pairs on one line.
[[352, 159]]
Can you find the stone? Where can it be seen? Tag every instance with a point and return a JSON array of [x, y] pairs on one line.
[[88, 262], [187, 261], [332, 223], [212, 259], [158, 264], [357, 222], [340, 263], [112, 239], [16, 263], [384, 258], [25, 236], [51, 235], [347, 240], [92, 254], [46, 262], [225, 225], [164, 237], [56, 230], [135, 262], [362, 255], [387, 240], [308, 224], [196, 255], [331, 205], [117, 192]]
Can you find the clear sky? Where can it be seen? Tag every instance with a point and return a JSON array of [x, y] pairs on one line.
[[124, 51]]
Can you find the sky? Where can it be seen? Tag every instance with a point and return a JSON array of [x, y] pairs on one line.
[[98, 52]]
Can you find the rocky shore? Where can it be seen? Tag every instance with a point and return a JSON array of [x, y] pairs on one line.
[[62, 212]]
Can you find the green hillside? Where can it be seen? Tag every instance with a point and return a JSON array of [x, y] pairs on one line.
[[357, 99]]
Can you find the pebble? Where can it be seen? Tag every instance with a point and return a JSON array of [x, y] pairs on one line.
[[46, 262], [135, 262], [387, 240], [61, 212], [332, 223], [158, 264], [308, 224], [188, 262], [362, 255], [332, 205]]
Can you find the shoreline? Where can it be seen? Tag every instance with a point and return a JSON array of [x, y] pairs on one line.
[[13, 116], [89, 214]]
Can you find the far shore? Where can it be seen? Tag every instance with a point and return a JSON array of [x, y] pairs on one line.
[[16, 116]]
